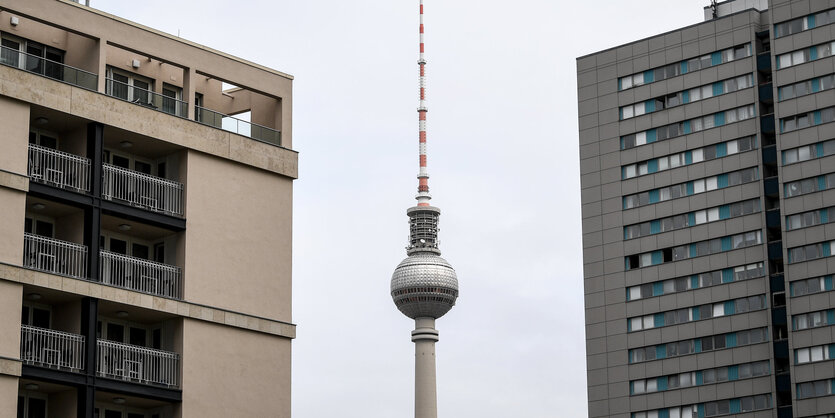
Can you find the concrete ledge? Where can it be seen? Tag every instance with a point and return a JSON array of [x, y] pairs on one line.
[[141, 300], [10, 367], [95, 106], [14, 181]]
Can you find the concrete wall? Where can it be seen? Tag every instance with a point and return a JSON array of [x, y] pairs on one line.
[[11, 303], [254, 369], [238, 238], [8, 393]]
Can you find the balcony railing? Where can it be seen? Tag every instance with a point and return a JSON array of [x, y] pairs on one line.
[[59, 168], [140, 275], [238, 126], [54, 256], [147, 98], [137, 364], [50, 348], [48, 68], [142, 190]]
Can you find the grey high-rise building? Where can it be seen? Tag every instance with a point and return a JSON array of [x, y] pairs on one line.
[[707, 160]]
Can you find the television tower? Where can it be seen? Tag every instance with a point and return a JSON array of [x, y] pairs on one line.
[[424, 286]]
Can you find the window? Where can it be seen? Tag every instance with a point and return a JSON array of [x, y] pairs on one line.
[[31, 56], [31, 404], [129, 86], [172, 100]]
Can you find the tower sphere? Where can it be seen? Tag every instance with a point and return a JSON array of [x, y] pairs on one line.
[[424, 285]]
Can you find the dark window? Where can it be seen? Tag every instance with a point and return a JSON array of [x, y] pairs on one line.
[[115, 332], [43, 228], [118, 246], [138, 336], [120, 161], [40, 318], [142, 167], [140, 251], [37, 408]]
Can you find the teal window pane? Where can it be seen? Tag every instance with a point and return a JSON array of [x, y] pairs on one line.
[[730, 307], [696, 314], [691, 218], [658, 319], [831, 350], [685, 97], [717, 88], [816, 85], [700, 379], [719, 119], [649, 106], [662, 383], [693, 250], [701, 407], [727, 275], [721, 150], [688, 156], [827, 282], [632, 390], [694, 283], [664, 413], [830, 317], [730, 340], [716, 58], [649, 76], [811, 20], [654, 196], [655, 227], [722, 181], [724, 212], [658, 290], [697, 345], [827, 251], [620, 85], [689, 187], [726, 244], [684, 67], [819, 150], [735, 407], [661, 351], [620, 114], [686, 127], [652, 136], [657, 257], [817, 117], [733, 372], [779, 93], [652, 166], [813, 53], [821, 183]]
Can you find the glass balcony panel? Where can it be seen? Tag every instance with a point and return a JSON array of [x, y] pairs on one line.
[[48, 68]]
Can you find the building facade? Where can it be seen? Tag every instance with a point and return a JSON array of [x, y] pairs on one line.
[[707, 160], [145, 236]]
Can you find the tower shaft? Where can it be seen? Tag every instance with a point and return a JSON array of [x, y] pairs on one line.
[[423, 195], [426, 394]]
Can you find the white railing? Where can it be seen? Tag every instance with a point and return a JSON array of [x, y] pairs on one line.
[[137, 364], [140, 275], [142, 190], [54, 256], [50, 348], [59, 168]]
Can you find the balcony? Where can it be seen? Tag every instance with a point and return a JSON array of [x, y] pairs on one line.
[[146, 98], [140, 275], [59, 169], [53, 349], [137, 364], [48, 68], [142, 190], [54, 256], [238, 126]]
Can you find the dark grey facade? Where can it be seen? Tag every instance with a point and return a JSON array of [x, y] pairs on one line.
[[707, 159]]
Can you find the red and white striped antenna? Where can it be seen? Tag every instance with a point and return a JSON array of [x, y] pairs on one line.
[[423, 195]]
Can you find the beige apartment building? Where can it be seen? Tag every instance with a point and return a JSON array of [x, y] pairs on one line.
[[145, 222]]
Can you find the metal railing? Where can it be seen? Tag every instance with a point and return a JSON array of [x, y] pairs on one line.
[[142, 190], [140, 275], [48, 68], [238, 126], [50, 348], [147, 98], [54, 256], [58, 168], [137, 364]]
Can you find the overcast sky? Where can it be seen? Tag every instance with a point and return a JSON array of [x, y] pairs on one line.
[[503, 160]]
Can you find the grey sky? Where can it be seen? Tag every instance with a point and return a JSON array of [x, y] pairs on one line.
[[503, 164]]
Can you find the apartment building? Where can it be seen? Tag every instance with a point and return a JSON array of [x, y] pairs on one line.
[[707, 160], [145, 222]]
